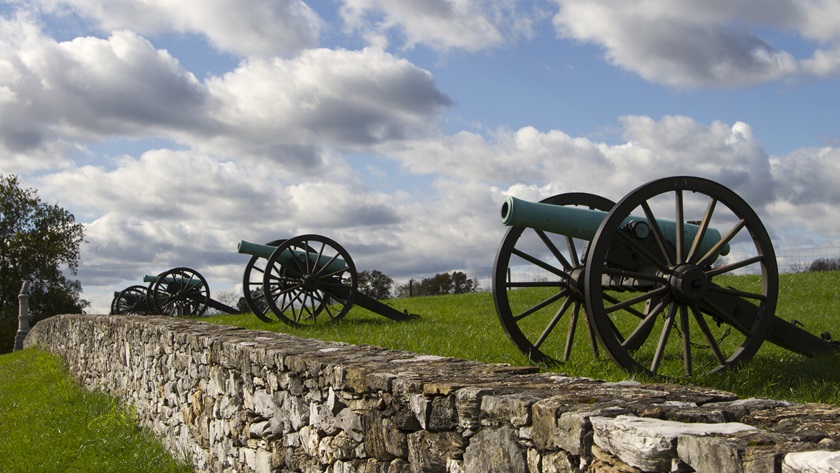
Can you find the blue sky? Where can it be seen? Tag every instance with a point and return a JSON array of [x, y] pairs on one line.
[[175, 128]]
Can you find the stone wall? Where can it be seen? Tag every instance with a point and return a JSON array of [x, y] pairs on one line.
[[239, 400]]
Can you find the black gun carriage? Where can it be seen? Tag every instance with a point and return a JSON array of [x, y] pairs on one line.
[[303, 279], [175, 292], [678, 277]]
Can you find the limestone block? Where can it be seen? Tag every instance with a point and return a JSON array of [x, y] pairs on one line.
[[740, 408], [429, 452], [421, 407], [494, 450], [650, 444], [513, 409], [309, 440], [263, 403], [442, 415], [811, 462], [384, 441], [751, 451], [560, 422], [336, 448], [468, 406]]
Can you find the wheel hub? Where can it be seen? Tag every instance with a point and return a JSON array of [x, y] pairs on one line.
[[311, 282], [688, 283], [575, 283]]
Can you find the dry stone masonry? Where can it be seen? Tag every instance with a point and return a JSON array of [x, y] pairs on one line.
[[239, 400]]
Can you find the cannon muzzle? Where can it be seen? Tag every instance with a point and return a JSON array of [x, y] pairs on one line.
[[333, 264], [582, 223]]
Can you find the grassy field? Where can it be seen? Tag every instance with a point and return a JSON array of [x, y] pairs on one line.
[[466, 326], [49, 423]]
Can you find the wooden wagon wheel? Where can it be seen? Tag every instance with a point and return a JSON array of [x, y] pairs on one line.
[[131, 300], [309, 275], [703, 314], [252, 285], [179, 291], [536, 279]]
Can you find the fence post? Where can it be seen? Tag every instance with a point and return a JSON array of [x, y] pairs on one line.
[[23, 316]]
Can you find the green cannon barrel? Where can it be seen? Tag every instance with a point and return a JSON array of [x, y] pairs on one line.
[[168, 280], [285, 258], [583, 223]]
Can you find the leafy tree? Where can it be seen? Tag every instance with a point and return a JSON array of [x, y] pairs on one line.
[[824, 264], [375, 284], [442, 283], [37, 241]]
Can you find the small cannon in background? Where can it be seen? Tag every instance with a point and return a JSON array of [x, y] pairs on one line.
[[301, 278], [182, 291], [131, 300], [178, 291], [662, 292]]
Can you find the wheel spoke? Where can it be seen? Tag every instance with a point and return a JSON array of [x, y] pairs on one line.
[[570, 244], [657, 234], [663, 338], [686, 340], [635, 300], [542, 304], [642, 330], [701, 231], [704, 327], [550, 327], [711, 255], [737, 265], [613, 300], [554, 250], [680, 230], [570, 335], [542, 264]]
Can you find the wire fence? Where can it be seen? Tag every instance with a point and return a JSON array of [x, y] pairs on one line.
[[800, 259], [795, 260]]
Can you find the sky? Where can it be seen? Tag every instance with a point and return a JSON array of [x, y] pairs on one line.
[[173, 129]]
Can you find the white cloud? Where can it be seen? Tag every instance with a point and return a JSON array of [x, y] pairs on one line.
[[246, 28], [441, 24], [697, 43], [290, 110], [684, 44], [58, 94], [674, 145]]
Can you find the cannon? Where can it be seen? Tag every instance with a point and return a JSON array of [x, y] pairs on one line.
[[181, 291], [677, 277], [303, 278], [131, 300]]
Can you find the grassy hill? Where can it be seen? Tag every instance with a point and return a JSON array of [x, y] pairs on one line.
[[466, 326], [50, 423]]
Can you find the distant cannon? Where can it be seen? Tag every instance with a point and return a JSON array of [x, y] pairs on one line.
[[662, 292], [304, 278], [181, 291], [131, 300]]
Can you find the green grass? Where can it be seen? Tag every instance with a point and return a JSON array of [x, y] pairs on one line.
[[49, 423], [466, 326]]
